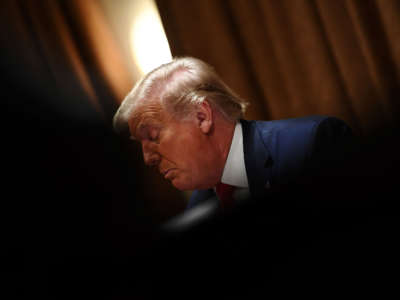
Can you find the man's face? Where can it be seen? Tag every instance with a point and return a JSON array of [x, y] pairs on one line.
[[178, 149]]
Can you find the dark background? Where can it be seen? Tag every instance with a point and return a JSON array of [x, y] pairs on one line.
[[80, 216]]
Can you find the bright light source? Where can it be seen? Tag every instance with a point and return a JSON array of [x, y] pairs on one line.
[[149, 43]]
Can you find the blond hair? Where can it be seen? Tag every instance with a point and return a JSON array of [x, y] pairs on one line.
[[178, 86]]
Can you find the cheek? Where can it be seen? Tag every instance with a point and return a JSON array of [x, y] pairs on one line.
[[184, 150], [192, 156]]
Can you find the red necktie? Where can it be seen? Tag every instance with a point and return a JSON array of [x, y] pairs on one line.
[[225, 194]]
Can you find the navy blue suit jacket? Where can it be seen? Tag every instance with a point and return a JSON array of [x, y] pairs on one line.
[[278, 152]]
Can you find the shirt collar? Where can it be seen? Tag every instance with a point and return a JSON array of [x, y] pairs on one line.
[[235, 169]]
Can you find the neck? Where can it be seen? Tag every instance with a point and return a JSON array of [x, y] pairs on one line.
[[222, 139]]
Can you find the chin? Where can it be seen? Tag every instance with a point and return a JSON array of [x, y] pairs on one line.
[[182, 188], [184, 185], [190, 186]]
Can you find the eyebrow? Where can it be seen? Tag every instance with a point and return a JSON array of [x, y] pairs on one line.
[[146, 118], [139, 127]]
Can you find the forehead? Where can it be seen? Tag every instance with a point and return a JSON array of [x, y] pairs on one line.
[[145, 115]]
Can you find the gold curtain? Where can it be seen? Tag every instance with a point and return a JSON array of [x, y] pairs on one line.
[[292, 58], [64, 57], [65, 46]]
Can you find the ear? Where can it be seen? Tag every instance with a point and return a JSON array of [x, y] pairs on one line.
[[204, 117]]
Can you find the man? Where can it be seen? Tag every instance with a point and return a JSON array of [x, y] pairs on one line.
[[190, 126]]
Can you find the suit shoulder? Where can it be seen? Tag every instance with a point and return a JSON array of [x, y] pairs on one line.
[[292, 123], [291, 141], [293, 128]]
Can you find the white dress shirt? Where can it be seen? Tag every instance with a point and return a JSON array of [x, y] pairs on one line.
[[235, 169]]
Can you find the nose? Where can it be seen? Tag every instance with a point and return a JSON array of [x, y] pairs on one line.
[[150, 155]]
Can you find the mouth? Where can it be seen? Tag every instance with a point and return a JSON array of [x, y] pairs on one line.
[[167, 173]]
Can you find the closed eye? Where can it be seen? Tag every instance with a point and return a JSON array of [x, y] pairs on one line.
[[154, 135]]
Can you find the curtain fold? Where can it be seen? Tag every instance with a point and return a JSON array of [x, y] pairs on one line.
[[65, 47], [64, 76], [298, 57]]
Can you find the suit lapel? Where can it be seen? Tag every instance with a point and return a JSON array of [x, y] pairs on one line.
[[258, 160]]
